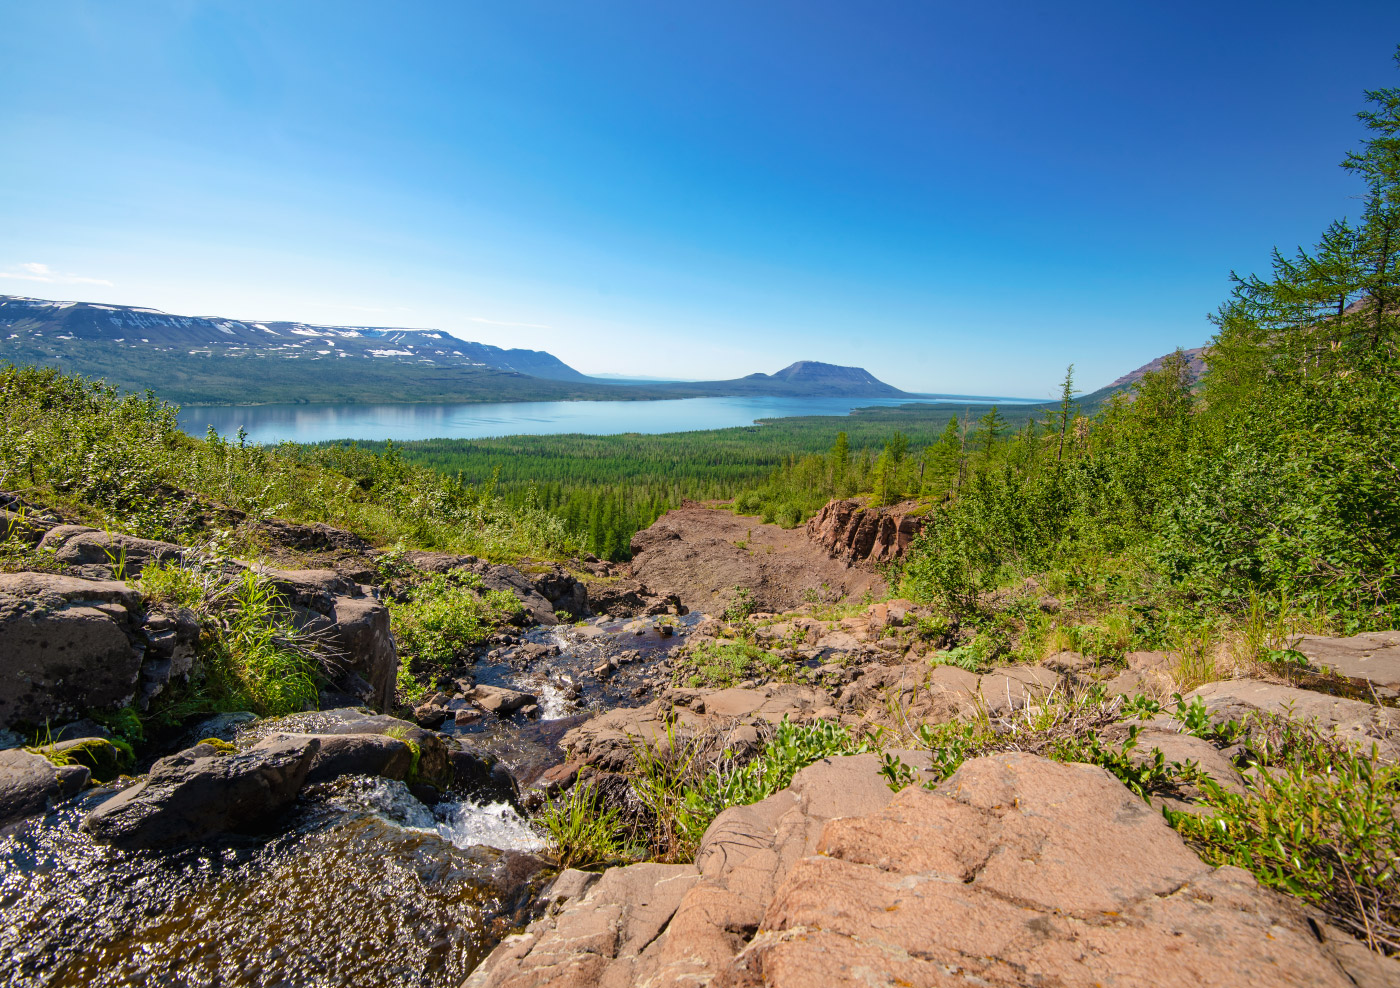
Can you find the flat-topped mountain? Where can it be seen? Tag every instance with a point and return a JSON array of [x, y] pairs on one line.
[[154, 331]]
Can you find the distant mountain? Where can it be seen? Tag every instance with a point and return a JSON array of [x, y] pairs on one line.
[[806, 378], [160, 332], [210, 360]]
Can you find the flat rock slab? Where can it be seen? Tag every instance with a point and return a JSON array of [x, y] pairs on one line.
[[598, 939], [1353, 720], [1373, 657], [987, 881]]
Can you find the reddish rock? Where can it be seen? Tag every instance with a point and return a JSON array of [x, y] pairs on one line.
[[850, 530]]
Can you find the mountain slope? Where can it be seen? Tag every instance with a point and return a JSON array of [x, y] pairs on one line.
[[201, 360], [1195, 365], [31, 319]]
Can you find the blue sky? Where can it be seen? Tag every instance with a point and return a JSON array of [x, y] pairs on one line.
[[958, 197]]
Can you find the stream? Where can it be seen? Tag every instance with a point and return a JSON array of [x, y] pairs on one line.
[[361, 884]]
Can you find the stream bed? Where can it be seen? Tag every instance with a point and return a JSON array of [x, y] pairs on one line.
[[361, 884]]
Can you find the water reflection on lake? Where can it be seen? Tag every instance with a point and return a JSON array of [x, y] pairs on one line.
[[316, 423]]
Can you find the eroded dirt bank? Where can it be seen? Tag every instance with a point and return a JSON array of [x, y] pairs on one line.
[[702, 554]]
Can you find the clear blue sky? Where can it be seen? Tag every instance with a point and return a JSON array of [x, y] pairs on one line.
[[958, 196]]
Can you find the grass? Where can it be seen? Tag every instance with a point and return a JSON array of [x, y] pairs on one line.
[[579, 831], [121, 462]]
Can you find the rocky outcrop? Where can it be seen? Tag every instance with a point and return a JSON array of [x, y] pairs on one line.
[[30, 784], [203, 791], [701, 555], [103, 555], [836, 881], [1371, 660], [443, 763], [354, 623], [538, 596], [1351, 720], [851, 530], [70, 645]]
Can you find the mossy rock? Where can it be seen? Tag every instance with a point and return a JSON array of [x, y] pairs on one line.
[[106, 758]]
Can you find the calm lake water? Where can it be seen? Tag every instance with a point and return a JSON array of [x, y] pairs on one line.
[[316, 423]]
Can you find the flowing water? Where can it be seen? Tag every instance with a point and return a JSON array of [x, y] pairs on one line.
[[362, 884]]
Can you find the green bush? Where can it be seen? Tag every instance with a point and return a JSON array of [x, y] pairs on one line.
[[726, 663], [439, 619]]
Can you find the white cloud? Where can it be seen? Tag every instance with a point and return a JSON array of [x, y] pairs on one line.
[[33, 271]]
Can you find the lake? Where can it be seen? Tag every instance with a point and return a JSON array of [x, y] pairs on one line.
[[317, 423]]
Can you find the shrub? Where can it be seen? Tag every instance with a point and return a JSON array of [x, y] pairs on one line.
[[725, 663], [438, 619]]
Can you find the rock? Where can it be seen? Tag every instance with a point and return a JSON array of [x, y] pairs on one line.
[[103, 758], [105, 554], [514, 582], [25, 528], [997, 855], [355, 624], [851, 530], [440, 562], [358, 754], [201, 792], [606, 930], [1353, 720], [482, 777], [221, 727], [744, 853], [1067, 662], [500, 701], [431, 715], [1011, 688], [30, 784], [1372, 659], [563, 591], [70, 645], [171, 640]]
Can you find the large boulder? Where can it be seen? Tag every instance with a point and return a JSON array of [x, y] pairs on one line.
[[70, 645], [537, 605], [1371, 660], [988, 879], [204, 791], [1016, 871], [358, 754], [351, 621], [30, 784]]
